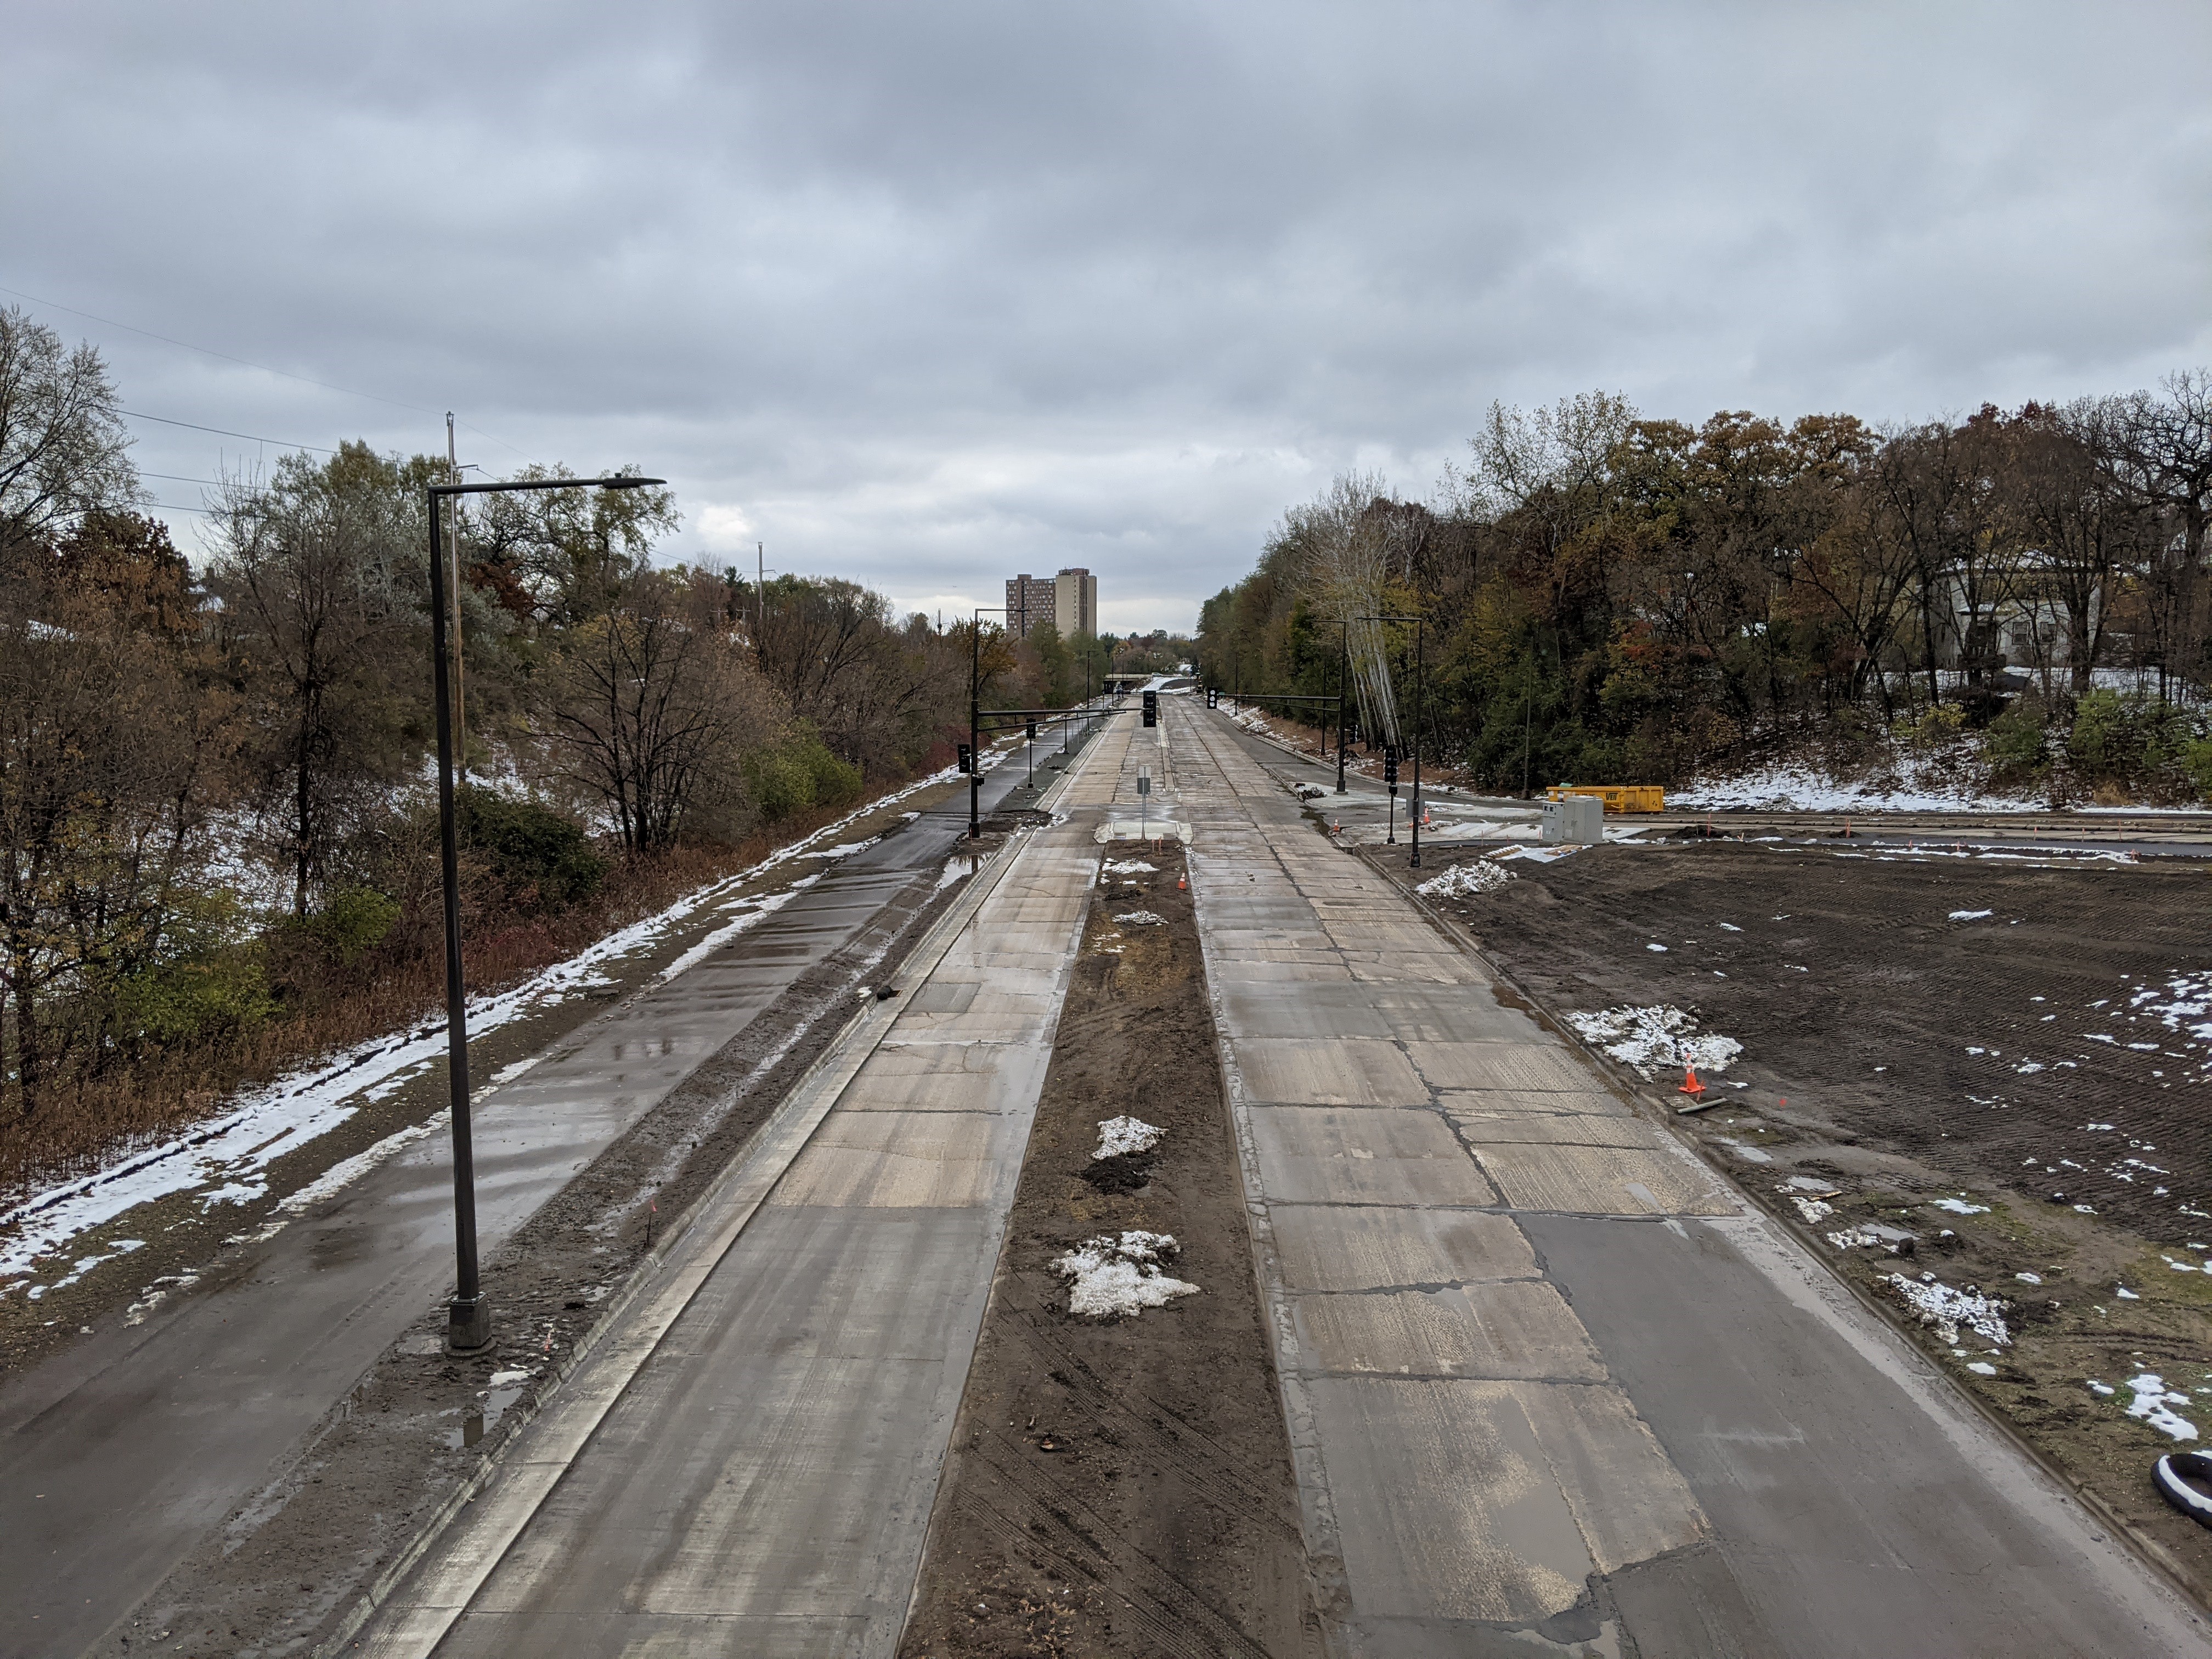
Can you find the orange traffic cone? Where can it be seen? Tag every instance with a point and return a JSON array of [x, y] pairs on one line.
[[1182, 884], [1691, 1086]]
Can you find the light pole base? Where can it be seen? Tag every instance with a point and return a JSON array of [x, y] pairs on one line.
[[468, 1323]]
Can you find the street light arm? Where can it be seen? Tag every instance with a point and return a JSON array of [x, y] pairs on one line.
[[623, 482]]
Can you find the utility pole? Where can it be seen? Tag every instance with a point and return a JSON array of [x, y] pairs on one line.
[[453, 533], [760, 605]]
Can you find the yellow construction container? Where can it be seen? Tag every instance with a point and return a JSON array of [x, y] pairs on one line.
[[1617, 797]]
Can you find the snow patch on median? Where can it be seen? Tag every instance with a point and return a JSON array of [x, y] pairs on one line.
[[1115, 1278], [1663, 1036], [1118, 1136], [1466, 880]]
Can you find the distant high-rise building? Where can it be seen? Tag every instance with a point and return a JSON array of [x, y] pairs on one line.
[[1069, 601], [1075, 603], [1030, 600]]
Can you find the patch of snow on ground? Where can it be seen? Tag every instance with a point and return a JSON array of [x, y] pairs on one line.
[[1662, 1036], [1803, 789], [2153, 1403], [1112, 1278], [1129, 867], [1971, 915], [1959, 1207], [1141, 919], [1466, 880], [1948, 1308], [1118, 1136], [1812, 1210]]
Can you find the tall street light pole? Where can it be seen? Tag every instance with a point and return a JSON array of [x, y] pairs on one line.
[[975, 718], [1413, 812], [1343, 692], [468, 1318]]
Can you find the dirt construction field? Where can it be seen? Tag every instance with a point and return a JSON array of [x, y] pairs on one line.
[[2009, 1061]]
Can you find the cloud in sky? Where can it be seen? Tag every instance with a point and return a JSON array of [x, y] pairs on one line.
[[928, 294]]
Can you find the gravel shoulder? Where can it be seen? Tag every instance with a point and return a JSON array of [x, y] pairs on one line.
[[1979, 1054], [1122, 1485]]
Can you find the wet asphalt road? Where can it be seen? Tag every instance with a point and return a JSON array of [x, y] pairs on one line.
[[117, 1454]]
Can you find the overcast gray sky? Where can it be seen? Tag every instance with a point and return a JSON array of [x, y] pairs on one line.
[[924, 294]]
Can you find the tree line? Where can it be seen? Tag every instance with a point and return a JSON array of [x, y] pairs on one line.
[[1606, 597], [217, 845]]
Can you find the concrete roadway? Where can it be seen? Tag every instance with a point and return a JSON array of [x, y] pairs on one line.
[[1551, 1386], [117, 1454], [748, 1465]]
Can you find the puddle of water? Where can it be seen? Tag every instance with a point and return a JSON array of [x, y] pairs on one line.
[[483, 1415]]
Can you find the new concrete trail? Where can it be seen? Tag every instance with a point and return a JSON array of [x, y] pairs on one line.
[[747, 1466], [1551, 1386], [118, 1454]]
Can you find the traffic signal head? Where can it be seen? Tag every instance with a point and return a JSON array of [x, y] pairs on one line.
[[1213, 697], [967, 758], [1151, 708], [1390, 766], [1032, 731]]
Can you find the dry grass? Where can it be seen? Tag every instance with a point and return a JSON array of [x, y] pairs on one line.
[[83, 1123]]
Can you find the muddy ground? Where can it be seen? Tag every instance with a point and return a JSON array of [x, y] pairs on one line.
[[1997, 1085], [279, 1575], [1122, 1486]]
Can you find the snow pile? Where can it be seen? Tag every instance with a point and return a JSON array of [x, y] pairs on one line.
[[1662, 1037], [1813, 1210], [1112, 1278], [1971, 915], [1129, 867], [1466, 880], [2155, 1402], [1857, 1238], [1117, 1135], [1142, 918], [1948, 1308], [1959, 1207]]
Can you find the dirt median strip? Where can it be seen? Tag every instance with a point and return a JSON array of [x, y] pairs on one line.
[[1122, 1485], [286, 1572]]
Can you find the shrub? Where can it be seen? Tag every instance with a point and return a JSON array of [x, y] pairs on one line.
[[352, 921], [2196, 765], [799, 773], [194, 998], [541, 858], [2014, 742]]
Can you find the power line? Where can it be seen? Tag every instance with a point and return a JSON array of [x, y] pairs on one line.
[[245, 362], [186, 345], [177, 478], [219, 433]]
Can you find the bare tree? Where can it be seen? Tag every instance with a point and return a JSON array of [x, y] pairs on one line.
[[648, 704], [2160, 451], [63, 449]]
